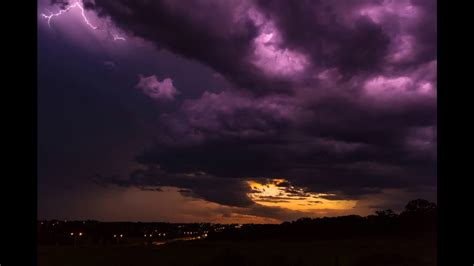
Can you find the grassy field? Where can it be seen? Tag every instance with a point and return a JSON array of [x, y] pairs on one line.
[[350, 252]]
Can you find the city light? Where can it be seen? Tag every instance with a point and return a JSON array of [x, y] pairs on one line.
[[80, 234], [115, 235], [72, 234], [121, 235]]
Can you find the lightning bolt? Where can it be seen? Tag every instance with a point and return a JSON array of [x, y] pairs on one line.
[[84, 17], [62, 11]]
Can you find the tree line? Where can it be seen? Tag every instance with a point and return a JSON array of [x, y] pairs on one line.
[[418, 217]]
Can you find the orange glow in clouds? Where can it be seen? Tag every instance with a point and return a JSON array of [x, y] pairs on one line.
[[274, 194]]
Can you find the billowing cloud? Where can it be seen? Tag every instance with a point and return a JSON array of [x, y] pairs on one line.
[[157, 90], [337, 98]]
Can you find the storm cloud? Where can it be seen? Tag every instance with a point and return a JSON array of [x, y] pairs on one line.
[[335, 97]]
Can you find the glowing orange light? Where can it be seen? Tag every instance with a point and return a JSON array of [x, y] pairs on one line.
[[273, 195]]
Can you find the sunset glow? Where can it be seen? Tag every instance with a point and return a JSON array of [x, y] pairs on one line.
[[272, 194]]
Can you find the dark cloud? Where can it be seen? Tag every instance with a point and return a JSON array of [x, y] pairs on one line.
[[316, 28], [360, 115], [226, 192], [211, 32]]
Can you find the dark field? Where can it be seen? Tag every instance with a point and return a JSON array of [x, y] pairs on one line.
[[361, 252]]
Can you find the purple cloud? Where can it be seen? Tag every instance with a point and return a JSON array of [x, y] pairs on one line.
[[157, 90], [332, 96]]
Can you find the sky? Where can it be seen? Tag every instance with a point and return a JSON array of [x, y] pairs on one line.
[[252, 111]]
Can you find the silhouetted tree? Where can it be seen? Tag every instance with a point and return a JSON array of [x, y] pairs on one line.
[[419, 216], [420, 206], [388, 213]]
